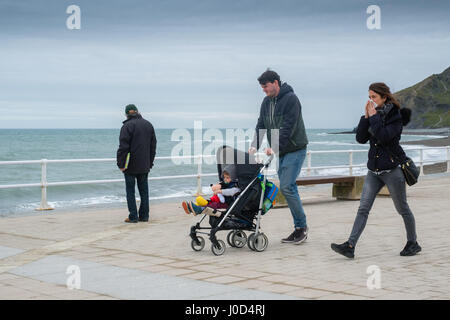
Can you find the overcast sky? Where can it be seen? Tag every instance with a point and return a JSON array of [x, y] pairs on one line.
[[186, 60]]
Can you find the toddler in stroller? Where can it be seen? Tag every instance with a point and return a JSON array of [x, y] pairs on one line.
[[224, 194]]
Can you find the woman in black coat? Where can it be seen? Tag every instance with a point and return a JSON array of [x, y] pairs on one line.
[[382, 125]]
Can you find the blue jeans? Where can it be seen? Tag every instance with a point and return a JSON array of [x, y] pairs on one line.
[[289, 167], [395, 181], [142, 183]]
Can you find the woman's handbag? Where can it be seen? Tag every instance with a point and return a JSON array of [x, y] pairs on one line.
[[410, 171], [409, 168]]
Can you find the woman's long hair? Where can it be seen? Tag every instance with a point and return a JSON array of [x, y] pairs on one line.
[[383, 90]]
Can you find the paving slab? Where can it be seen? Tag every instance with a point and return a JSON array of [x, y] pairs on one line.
[[132, 284]]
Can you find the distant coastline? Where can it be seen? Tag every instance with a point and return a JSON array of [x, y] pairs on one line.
[[435, 142], [419, 132], [438, 142]]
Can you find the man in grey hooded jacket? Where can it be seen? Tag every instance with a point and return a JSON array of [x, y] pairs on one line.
[[281, 110]]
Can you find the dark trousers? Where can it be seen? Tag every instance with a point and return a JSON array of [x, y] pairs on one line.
[[395, 181], [142, 184]]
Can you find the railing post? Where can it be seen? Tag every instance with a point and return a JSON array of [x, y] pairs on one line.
[[448, 159], [44, 205], [199, 176], [350, 162], [421, 161], [308, 170]]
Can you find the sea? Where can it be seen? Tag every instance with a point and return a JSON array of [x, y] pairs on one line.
[[59, 144]]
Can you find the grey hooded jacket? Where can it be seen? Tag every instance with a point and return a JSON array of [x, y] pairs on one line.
[[284, 112]]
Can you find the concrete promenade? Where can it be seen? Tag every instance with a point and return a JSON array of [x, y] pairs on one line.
[[155, 261]]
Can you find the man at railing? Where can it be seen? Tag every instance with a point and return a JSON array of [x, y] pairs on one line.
[[281, 110], [135, 156]]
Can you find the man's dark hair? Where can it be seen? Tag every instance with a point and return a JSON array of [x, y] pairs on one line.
[[269, 76]]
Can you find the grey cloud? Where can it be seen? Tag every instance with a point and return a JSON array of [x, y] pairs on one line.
[[203, 57]]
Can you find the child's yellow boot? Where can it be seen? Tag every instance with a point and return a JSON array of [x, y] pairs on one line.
[[200, 201]]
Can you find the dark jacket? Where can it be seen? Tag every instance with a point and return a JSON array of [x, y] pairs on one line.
[[383, 130], [284, 112], [137, 137]]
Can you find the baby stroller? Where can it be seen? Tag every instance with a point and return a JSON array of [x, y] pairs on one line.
[[245, 212]]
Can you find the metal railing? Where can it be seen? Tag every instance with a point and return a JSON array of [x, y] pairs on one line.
[[44, 184]]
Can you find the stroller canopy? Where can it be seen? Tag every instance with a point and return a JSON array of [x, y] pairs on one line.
[[239, 164]]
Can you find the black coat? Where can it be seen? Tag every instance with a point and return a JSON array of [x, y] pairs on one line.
[[383, 130], [138, 138]]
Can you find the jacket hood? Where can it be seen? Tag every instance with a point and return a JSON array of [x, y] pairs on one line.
[[231, 169], [285, 88], [406, 115]]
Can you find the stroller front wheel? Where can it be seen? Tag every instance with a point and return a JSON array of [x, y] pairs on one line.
[[258, 242], [218, 250], [198, 246], [251, 241]]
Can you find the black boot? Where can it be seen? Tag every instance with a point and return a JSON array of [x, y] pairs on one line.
[[344, 249], [411, 248]]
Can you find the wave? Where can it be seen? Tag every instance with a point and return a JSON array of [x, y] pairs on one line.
[[422, 137], [334, 172], [335, 143], [430, 156], [221, 141], [101, 200], [71, 203]]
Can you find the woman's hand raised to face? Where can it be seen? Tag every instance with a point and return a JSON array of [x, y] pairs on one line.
[[370, 109], [366, 114]]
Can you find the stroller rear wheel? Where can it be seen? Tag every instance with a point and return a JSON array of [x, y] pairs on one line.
[[198, 246], [239, 239], [258, 242], [219, 249], [230, 234]]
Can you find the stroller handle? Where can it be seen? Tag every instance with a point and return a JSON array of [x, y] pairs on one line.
[[269, 160]]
